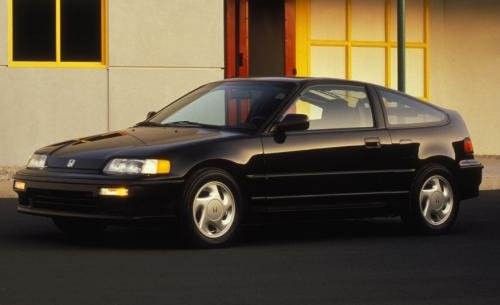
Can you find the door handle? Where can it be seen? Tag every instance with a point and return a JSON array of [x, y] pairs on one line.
[[372, 143]]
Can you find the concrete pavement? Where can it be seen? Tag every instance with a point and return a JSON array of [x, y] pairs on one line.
[[347, 262], [491, 176]]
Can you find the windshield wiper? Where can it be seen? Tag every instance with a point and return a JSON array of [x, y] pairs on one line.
[[189, 124], [148, 124]]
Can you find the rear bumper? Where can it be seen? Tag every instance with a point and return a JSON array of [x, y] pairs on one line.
[[470, 175], [60, 195]]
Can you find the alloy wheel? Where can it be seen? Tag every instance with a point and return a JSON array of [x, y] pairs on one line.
[[214, 209], [436, 200]]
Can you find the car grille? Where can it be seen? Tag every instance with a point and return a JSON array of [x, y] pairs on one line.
[[74, 201]]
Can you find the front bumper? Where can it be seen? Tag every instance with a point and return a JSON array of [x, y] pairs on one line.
[[470, 175], [77, 195]]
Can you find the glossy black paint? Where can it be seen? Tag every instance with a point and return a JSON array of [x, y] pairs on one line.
[[277, 170]]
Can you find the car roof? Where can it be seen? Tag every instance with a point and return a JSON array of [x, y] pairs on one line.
[[301, 80]]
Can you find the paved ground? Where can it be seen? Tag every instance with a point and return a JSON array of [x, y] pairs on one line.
[[341, 262]]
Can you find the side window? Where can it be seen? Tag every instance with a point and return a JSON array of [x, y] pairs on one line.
[[404, 110], [334, 107]]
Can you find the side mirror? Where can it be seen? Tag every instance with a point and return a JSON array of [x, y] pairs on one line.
[[293, 122], [150, 114]]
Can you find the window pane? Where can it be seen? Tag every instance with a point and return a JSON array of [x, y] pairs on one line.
[[328, 19], [328, 62], [208, 109], [403, 110], [334, 106], [368, 64], [81, 30], [368, 20], [232, 104], [34, 30]]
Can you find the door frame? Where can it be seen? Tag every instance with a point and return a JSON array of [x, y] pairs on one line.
[[236, 31]]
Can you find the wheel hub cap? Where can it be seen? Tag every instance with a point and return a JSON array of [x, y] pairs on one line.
[[215, 210], [437, 201]]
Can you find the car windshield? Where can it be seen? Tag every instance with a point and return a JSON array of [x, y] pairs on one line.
[[239, 105]]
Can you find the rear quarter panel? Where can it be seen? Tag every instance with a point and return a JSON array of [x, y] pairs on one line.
[[418, 146]]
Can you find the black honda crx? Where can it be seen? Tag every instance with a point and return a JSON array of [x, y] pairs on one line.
[[234, 149]]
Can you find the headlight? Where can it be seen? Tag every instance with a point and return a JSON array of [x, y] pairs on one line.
[[37, 161], [137, 166]]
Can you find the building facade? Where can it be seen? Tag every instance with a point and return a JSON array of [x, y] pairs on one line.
[[70, 68]]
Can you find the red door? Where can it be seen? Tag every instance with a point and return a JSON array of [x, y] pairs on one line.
[[238, 49]]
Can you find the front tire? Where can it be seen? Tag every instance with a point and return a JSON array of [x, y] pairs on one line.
[[211, 208], [434, 202]]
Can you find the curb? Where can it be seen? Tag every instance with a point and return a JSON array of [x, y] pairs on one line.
[[6, 189]]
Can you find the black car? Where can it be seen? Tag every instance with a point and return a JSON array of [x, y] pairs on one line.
[[234, 149]]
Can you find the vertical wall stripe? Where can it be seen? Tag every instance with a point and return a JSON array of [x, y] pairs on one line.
[[10, 32], [388, 53], [58, 31], [348, 27], [426, 51], [302, 44]]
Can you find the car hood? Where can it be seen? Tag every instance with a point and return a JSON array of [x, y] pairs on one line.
[[95, 151]]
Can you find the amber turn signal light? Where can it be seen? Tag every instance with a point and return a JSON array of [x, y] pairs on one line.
[[114, 191], [19, 185]]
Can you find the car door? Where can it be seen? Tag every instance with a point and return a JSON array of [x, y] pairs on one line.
[[342, 157]]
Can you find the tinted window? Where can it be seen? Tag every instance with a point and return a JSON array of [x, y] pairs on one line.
[[241, 105], [81, 30], [334, 106], [34, 30], [404, 110]]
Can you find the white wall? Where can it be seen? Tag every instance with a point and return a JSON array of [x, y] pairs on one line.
[[158, 50], [43, 106], [133, 92], [173, 33], [465, 65], [3, 34]]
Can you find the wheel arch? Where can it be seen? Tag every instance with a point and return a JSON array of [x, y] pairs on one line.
[[445, 161], [232, 168]]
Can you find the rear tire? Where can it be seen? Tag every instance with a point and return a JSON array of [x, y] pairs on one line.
[[434, 202], [211, 208], [79, 227]]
